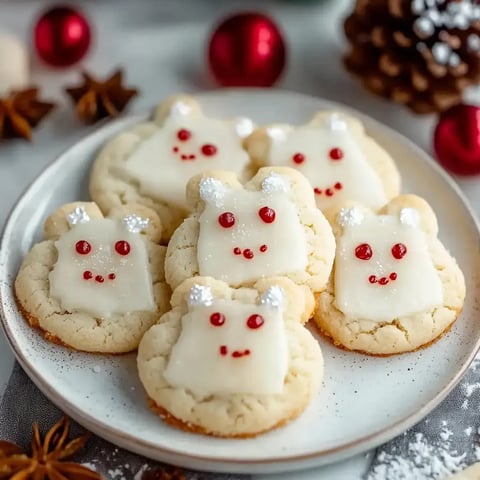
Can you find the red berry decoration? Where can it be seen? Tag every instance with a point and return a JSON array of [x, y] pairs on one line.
[[62, 36], [247, 49], [226, 219], [83, 247], [364, 251], [255, 321], [122, 247], [456, 140], [267, 214], [217, 319]]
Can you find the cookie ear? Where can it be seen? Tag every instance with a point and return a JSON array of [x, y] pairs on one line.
[[139, 218], [176, 106], [209, 187], [199, 291], [415, 211], [60, 221], [336, 121], [297, 301], [258, 144]]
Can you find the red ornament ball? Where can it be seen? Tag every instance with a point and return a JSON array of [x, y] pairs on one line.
[[62, 36], [247, 49], [456, 140]]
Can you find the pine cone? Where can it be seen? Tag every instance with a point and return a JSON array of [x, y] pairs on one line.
[[421, 53]]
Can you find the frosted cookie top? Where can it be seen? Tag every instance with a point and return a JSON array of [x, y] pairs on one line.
[[334, 153], [241, 233], [185, 143], [102, 266]]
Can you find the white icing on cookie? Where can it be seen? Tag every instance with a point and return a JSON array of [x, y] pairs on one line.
[[230, 347], [185, 145], [331, 159], [383, 270], [251, 235], [102, 269]]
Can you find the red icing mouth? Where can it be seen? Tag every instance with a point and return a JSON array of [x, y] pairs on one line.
[[248, 253], [184, 136], [330, 191], [383, 280], [88, 275], [235, 354]]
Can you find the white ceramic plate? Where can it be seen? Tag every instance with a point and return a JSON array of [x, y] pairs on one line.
[[364, 402]]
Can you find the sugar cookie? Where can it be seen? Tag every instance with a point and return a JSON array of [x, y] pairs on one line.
[[95, 284], [394, 287], [241, 233], [334, 152], [151, 163], [231, 363]]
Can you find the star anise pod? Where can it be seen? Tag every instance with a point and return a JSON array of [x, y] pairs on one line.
[[95, 99], [47, 458], [20, 112]]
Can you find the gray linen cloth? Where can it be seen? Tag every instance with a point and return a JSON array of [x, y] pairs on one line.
[[445, 442], [23, 404]]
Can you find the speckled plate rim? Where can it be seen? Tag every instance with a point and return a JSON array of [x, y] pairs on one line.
[[223, 464]]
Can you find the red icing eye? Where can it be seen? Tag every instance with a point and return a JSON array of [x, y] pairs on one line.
[[255, 321], [336, 153], [83, 247], [298, 158], [267, 214], [122, 247], [217, 319], [183, 135], [364, 251], [209, 150], [399, 250], [226, 219]]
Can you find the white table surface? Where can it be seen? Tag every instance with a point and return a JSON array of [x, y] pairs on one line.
[[161, 45]]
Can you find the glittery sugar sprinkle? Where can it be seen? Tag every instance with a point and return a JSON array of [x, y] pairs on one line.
[[275, 183], [459, 14], [212, 191], [200, 295], [135, 224], [79, 215], [350, 216], [243, 126], [180, 109], [273, 297], [410, 217], [335, 123]]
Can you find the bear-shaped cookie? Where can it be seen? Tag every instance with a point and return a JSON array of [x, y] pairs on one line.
[[95, 284], [336, 155], [241, 233], [151, 163], [231, 362], [394, 287]]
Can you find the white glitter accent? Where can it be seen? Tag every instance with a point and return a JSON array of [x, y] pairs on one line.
[[454, 60], [180, 109], [135, 224], [243, 126], [335, 123], [423, 27], [273, 297], [79, 215], [418, 7], [200, 295], [212, 191], [473, 42], [441, 52], [410, 217], [350, 216], [275, 183], [277, 133]]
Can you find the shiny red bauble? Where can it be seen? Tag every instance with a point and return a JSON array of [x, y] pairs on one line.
[[456, 140], [62, 36], [247, 49]]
